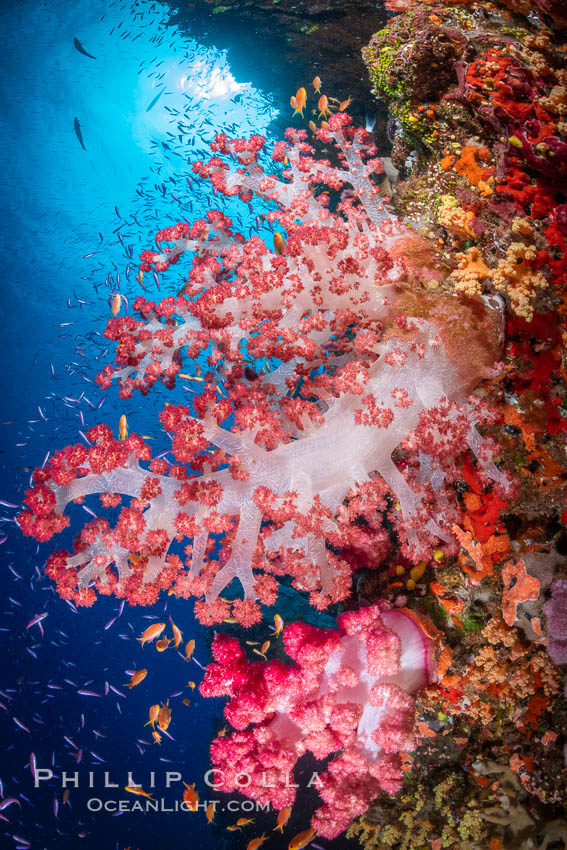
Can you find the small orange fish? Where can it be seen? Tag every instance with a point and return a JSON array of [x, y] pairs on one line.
[[116, 304], [323, 106], [279, 624], [317, 85], [177, 635], [256, 842], [265, 647], [191, 797], [151, 633], [222, 732], [345, 104], [300, 101], [261, 654], [163, 644], [210, 812], [139, 791], [233, 828], [156, 736], [140, 276], [302, 839], [186, 701], [191, 685], [279, 244], [153, 714], [244, 821], [164, 716], [189, 649], [312, 126], [293, 102], [137, 677], [190, 377], [283, 817], [123, 427]]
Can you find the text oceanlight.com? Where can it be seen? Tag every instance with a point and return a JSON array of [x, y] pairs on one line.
[[95, 804]]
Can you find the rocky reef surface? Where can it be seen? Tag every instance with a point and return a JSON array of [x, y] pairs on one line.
[[478, 122]]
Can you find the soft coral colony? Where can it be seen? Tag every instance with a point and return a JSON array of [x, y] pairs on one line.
[[363, 447], [303, 469]]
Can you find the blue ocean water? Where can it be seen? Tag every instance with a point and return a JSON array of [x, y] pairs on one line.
[[95, 152]]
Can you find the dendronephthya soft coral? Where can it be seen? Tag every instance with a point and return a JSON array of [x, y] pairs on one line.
[[369, 360], [349, 692]]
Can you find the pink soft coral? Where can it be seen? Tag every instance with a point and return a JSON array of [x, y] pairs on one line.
[[349, 691], [368, 360]]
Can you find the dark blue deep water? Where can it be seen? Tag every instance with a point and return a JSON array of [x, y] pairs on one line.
[[74, 220]]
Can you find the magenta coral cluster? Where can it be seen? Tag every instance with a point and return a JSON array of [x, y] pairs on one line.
[[348, 695]]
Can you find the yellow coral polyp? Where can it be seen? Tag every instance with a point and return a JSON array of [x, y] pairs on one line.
[[457, 221], [471, 271], [517, 280], [556, 100], [417, 571]]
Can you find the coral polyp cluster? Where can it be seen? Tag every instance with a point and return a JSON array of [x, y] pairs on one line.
[[491, 124], [480, 149], [284, 473]]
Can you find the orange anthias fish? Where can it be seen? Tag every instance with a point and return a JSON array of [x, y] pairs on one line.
[[139, 791], [265, 646], [279, 624], [210, 812], [244, 821], [140, 276], [186, 701], [300, 101], [163, 644], [177, 635], [156, 736], [293, 102], [345, 104], [191, 685], [164, 717], [151, 633], [302, 839], [189, 649], [116, 304], [283, 817], [137, 677], [123, 427], [323, 106], [279, 244], [317, 85], [256, 842], [191, 797], [154, 711]]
